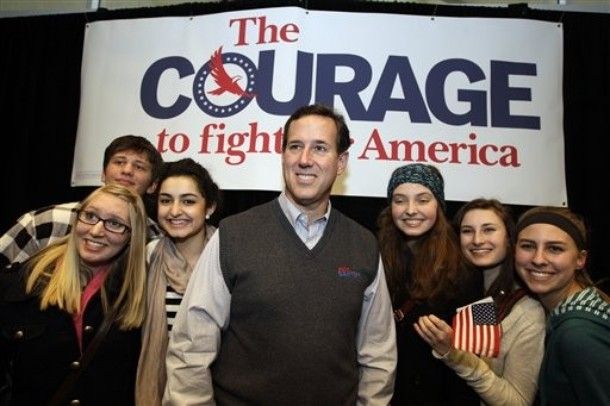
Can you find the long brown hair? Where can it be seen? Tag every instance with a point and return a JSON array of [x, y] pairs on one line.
[[432, 271], [505, 281], [502, 287]]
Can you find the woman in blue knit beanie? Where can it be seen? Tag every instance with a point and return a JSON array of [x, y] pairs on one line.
[[426, 274]]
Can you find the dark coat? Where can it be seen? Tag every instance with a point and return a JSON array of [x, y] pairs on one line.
[[422, 379], [38, 349]]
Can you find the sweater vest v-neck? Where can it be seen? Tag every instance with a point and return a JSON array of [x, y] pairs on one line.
[[294, 313]]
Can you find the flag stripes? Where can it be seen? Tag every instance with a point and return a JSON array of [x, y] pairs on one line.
[[476, 329]]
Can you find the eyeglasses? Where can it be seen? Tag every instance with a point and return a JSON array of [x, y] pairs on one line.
[[112, 225]]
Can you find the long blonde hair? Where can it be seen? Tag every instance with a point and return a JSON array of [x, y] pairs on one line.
[[56, 269]]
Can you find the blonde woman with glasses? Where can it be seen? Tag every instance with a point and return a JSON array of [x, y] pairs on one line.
[[70, 316]]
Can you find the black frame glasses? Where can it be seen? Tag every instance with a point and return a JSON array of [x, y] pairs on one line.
[[112, 225]]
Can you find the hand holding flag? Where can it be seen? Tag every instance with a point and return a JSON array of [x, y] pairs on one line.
[[476, 328]]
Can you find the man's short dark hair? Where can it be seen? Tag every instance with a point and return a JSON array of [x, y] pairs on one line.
[[343, 140], [138, 144]]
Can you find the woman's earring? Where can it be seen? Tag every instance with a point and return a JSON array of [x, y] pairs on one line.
[[207, 216]]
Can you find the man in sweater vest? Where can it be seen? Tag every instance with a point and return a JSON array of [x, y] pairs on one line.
[[288, 304]]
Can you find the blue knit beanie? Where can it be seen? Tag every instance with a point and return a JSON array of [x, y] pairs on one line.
[[425, 175]]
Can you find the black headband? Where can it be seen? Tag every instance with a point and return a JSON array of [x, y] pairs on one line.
[[556, 220]]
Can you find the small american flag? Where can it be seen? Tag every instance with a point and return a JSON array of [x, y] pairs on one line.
[[476, 328]]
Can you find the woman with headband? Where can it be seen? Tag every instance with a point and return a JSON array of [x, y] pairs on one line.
[[425, 274], [550, 257]]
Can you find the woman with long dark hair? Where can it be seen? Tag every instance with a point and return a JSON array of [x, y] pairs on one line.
[[487, 238], [426, 274], [186, 198]]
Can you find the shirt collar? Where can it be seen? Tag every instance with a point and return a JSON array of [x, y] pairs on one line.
[[292, 212]]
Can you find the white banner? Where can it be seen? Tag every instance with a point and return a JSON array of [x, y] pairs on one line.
[[479, 98]]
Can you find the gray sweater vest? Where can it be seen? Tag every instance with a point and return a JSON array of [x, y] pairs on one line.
[[291, 338]]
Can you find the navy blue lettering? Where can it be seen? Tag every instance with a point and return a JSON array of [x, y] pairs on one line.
[[502, 94], [398, 68], [302, 81], [327, 86], [435, 93], [150, 85]]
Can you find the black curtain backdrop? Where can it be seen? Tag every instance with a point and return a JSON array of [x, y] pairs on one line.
[[40, 90]]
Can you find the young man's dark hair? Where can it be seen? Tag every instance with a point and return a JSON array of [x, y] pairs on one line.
[[137, 144], [39, 228]]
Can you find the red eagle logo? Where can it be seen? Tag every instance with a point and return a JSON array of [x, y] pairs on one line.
[[225, 82]]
